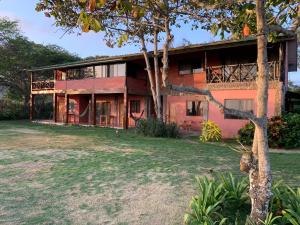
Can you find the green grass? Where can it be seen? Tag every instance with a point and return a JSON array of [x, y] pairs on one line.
[[83, 175]]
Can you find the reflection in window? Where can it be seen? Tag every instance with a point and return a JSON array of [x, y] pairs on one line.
[[190, 68], [101, 71], [194, 108], [135, 106], [72, 104], [245, 105]]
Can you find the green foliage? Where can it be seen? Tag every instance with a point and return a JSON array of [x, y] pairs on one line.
[[246, 134], [210, 132], [206, 205], [225, 200], [235, 189], [11, 110], [21, 54], [283, 132], [291, 132], [156, 128]]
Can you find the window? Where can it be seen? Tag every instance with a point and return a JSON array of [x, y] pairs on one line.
[[72, 106], [195, 108], [112, 70], [117, 70], [80, 73], [101, 71], [245, 105], [190, 68], [135, 106]]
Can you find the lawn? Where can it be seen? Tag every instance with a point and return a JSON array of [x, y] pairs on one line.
[[87, 175]]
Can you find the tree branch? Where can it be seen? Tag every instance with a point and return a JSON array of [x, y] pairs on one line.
[[211, 99]]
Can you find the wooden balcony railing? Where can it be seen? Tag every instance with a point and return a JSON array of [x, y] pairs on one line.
[[239, 72], [43, 85]]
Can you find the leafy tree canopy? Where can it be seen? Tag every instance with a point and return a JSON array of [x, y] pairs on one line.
[[20, 54]]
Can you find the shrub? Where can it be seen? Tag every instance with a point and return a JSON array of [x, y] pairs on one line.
[[291, 132], [156, 128], [210, 132], [225, 200], [12, 110], [246, 134], [282, 131]]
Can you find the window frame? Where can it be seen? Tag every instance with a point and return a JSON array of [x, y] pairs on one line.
[[233, 117], [137, 108], [201, 108], [193, 68]]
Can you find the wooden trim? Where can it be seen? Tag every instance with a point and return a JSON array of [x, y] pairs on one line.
[[54, 107], [93, 107], [125, 109], [66, 108], [31, 107]]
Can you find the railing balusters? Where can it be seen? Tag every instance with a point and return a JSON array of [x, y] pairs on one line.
[[217, 74]]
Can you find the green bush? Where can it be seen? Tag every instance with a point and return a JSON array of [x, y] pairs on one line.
[[156, 128], [211, 132], [291, 132], [10, 110], [283, 132], [225, 200]]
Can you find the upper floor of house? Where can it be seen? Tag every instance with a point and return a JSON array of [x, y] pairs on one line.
[[201, 66]]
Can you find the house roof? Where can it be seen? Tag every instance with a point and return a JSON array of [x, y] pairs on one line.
[[172, 51]]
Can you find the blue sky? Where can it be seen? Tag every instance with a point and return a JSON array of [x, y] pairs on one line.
[[40, 29]]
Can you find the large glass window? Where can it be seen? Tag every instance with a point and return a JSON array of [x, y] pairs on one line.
[[245, 105], [117, 70], [80, 73], [190, 68], [101, 71], [135, 106], [195, 108]]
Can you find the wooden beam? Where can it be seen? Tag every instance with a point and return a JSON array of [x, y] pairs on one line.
[[31, 107], [31, 103], [54, 107], [66, 108], [125, 109], [93, 108]]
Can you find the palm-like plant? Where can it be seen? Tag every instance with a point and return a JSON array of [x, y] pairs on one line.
[[205, 205], [236, 189]]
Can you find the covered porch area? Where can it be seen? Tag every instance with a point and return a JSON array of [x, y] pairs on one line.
[[105, 110]]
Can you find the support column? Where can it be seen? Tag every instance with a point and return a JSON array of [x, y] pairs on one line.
[[125, 110], [66, 108], [31, 107], [31, 103], [54, 107], [93, 108]]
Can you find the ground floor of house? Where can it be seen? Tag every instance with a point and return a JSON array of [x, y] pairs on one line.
[[188, 111]]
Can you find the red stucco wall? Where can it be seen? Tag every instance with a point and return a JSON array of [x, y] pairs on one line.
[[176, 109]]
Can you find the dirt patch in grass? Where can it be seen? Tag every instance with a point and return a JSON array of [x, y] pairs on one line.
[[154, 203]]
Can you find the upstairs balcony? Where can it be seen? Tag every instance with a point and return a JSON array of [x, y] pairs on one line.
[[240, 73], [111, 78], [43, 85]]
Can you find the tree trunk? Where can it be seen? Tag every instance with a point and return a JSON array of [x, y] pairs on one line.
[[150, 75], [260, 174], [157, 75]]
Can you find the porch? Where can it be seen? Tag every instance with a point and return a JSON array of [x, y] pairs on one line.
[[105, 110]]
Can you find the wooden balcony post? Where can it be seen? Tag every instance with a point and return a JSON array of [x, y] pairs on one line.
[[125, 109], [31, 107], [66, 108], [54, 107], [93, 108]]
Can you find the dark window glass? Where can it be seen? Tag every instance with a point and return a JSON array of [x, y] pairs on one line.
[[194, 108], [72, 106], [135, 106], [245, 105], [190, 68]]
